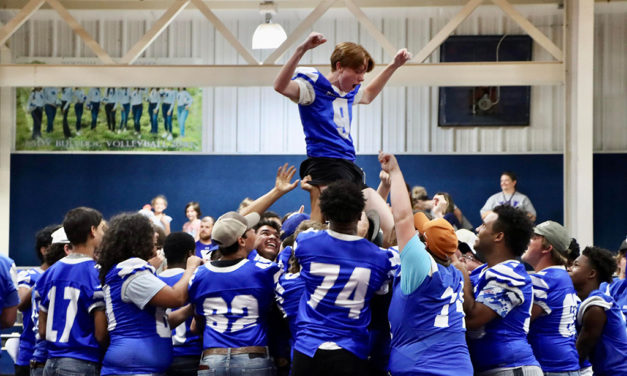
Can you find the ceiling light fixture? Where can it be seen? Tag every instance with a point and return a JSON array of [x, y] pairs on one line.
[[268, 35]]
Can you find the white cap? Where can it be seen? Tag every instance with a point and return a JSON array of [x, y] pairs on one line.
[[59, 237], [467, 237]]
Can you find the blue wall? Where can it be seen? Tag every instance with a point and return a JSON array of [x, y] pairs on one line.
[[45, 186]]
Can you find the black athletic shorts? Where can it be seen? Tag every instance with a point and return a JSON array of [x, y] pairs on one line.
[[325, 171]]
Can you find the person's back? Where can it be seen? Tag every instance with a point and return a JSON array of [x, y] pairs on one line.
[[69, 292], [430, 317], [132, 326], [341, 273], [554, 292], [618, 291]]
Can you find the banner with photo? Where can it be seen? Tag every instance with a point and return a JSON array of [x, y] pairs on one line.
[[109, 119]]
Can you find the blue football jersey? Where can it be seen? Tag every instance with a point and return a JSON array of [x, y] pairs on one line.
[[428, 327], [327, 120], [185, 343], [289, 290], [341, 273], [555, 329], [8, 281], [40, 350], [283, 259], [27, 279], [69, 292], [618, 291], [235, 302], [204, 250], [610, 353], [506, 289], [132, 327]]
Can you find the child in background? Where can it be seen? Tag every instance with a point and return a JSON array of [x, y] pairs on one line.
[[158, 217], [193, 213]]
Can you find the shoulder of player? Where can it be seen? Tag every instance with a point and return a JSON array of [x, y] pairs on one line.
[[509, 272]]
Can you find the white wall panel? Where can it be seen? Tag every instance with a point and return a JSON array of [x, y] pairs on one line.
[[400, 119]]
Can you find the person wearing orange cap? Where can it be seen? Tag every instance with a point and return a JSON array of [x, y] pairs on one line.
[[426, 314]]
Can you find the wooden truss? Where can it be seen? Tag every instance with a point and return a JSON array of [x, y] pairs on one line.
[[260, 73]]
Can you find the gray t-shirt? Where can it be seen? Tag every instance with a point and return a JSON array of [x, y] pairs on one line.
[[517, 200], [140, 288]]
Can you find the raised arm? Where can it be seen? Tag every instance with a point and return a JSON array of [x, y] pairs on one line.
[[374, 88], [401, 207], [283, 82], [176, 296], [282, 185]]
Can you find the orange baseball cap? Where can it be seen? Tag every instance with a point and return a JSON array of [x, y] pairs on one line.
[[439, 235]]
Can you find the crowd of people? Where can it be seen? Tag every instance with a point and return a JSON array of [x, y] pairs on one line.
[[355, 287], [129, 102]]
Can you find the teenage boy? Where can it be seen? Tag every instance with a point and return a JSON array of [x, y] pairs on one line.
[[602, 337], [71, 311], [326, 110], [341, 272], [178, 246]]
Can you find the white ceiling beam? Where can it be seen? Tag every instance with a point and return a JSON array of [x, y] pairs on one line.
[[297, 34], [226, 33], [442, 74], [441, 36], [81, 32], [157, 28], [254, 4], [371, 27], [22, 16], [530, 29]]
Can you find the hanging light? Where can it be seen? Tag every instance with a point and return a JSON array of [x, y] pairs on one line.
[[268, 35]]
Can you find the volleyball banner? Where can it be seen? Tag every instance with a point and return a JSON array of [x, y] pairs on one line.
[[109, 119]]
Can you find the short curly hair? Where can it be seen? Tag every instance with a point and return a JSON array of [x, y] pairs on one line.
[[516, 226], [601, 260], [342, 202], [129, 235]]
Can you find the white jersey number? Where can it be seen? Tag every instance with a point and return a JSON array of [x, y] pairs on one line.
[[357, 286], [340, 117], [71, 294], [216, 312], [569, 310], [457, 298]]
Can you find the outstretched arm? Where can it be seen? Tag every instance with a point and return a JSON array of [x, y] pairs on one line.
[[282, 185], [401, 207], [374, 88], [314, 197], [283, 82]]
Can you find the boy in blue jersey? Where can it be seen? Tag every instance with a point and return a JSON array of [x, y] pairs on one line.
[[232, 297], [326, 110], [59, 248], [555, 301], [498, 297], [71, 311], [426, 314], [177, 248], [602, 337], [341, 271], [26, 279]]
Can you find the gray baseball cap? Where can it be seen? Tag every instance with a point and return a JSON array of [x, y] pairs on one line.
[[232, 225], [555, 234]]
